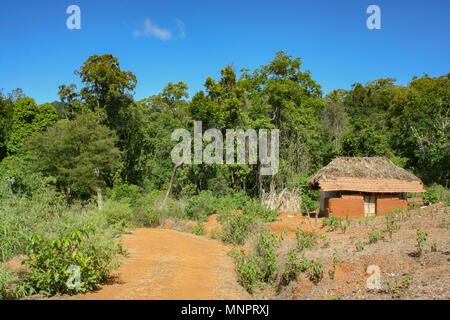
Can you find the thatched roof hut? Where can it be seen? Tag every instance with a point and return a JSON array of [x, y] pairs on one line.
[[365, 174]]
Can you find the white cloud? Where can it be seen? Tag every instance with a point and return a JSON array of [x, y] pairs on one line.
[[181, 28], [152, 30]]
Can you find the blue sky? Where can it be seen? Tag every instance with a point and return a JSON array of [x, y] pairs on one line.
[[162, 41]]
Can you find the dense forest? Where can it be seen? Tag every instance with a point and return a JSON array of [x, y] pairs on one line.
[[98, 146], [102, 127]]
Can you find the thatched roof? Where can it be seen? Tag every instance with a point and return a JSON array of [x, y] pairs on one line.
[[365, 174]]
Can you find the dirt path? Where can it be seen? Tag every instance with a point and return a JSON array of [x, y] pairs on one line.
[[166, 264]]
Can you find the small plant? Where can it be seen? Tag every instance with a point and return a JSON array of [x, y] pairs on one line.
[[294, 266], [376, 236], [392, 223], [266, 249], [48, 262], [315, 271], [332, 298], [396, 287], [333, 222], [257, 270], [325, 242], [5, 282], [305, 239], [444, 224], [248, 270], [422, 238], [359, 245], [433, 246], [198, 229], [335, 263]]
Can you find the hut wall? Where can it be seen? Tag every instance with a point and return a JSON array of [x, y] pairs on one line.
[[387, 203], [353, 206]]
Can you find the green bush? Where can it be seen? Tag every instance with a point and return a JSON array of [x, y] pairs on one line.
[[198, 229], [48, 263], [248, 270], [376, 236], [315, 271], [333, 222], [201, 206], [118, 213], [5, 282], [305, 239], [293, 267], [261, 268], [436, 193], [236, 228], [266, 245]]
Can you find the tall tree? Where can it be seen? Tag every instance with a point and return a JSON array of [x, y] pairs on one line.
[[28, 119], [80, 154]]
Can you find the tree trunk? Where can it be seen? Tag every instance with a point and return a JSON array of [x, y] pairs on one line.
[[99, 192], [174, 172]]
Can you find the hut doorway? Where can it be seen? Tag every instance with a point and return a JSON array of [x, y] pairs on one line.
[[369, 205]]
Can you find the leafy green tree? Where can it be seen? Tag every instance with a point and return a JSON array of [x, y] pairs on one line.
[[28, 119], [6, 119], [80, 154], [419, 123]]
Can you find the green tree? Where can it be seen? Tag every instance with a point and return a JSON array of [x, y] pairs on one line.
[[28, 119], [80, 154]]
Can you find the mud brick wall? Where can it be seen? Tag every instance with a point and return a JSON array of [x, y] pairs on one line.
[[387, 203], [340, 207]]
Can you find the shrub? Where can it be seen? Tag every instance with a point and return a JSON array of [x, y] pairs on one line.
[[376, 236], [335, 262], [444, 224], [5, 282], [305, 239], [201, 206], [198, 229], [333, 222], [392, 223], [359, 245], [260, 268], [315, 271], [436, 193], [48, 263], [248, 270], [118, 213], [236, 228], [266, 249], [422, 238]]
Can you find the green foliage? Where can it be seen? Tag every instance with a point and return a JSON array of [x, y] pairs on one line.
[[248, 270], [333, 222], [310, 198], [266, 245], [396, 287], [118, 213], [315, 271], [80, 154], [376, 236], [359, 245], [198, 229], [392, 222], [436, 193], [236, 228], [48, 263], [335, 262], [5, 283], [28, 119], [201, 206], [305, 239], [422, 238], [293, 267], [261, 268]]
